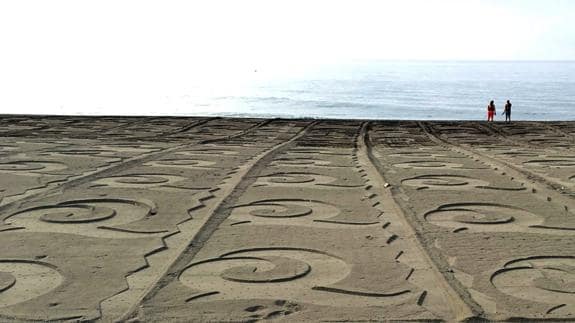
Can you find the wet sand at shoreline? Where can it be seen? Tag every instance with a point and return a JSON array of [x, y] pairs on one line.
[[221, 219]]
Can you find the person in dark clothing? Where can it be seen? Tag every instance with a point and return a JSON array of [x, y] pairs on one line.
[[491, 111], [507, 111]]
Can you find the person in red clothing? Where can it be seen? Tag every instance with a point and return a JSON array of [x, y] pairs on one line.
[[491, 111]]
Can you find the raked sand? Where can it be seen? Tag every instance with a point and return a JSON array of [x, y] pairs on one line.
[[211, 219]]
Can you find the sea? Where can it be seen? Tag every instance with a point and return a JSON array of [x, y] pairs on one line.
[[400, 90], [367, 89]]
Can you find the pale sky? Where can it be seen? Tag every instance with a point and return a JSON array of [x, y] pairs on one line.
[[63, 52]]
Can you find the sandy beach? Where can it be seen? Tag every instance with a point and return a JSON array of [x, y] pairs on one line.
[[217, 219]]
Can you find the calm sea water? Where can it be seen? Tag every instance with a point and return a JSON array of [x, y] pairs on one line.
[[392, 90]]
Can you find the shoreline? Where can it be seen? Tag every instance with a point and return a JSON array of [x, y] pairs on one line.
[[68, 116]]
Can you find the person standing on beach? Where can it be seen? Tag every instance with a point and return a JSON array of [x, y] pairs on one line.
[[507, 111], [491, 111]]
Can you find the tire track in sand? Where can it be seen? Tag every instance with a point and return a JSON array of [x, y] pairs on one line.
[[219, 211], [436, 283]]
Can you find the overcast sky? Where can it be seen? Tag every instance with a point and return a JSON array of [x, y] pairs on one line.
[[50, 47]]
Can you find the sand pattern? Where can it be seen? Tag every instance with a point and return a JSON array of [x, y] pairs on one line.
[[212, 219], [299, 226], [501, 198]]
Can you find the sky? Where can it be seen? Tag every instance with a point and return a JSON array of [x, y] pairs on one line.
[[69, 51]]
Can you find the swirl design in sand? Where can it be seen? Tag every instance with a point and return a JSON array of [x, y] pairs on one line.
[[15, 127], [182, 163], [428, 164], [279, 273], [31, 167], [303, 161], [519, 153], [90, 217], [21, 281], [549, 280], [207, 151], [483, 217], [453, 182], [559, 142], [308, 151], [127, 148], [79, 152], [445, 182], [162, 182], [7, 148], [417, 154], [302, 179], [551, 163], [290, 212]]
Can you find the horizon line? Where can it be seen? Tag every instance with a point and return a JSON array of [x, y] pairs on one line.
[[466, 60]]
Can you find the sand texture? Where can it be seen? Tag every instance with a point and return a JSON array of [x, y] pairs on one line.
[[241, 220]]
